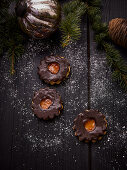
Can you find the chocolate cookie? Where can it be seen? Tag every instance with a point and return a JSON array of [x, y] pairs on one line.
[[53, 69], [90, 126], [46, 103]]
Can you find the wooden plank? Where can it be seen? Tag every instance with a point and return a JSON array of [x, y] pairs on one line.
[[6, 115], [28, 143], [23, 120], [62, 149], [107, 96]]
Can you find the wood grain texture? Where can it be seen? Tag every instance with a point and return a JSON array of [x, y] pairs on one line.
[[37, 144], [28, 143], [111, 152]]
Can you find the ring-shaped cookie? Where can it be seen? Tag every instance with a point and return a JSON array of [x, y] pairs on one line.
[[90, 126], [46, 103], [53, 69]]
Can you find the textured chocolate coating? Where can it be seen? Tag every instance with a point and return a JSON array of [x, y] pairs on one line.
[[53, 110], [100, 125], [49, 77]]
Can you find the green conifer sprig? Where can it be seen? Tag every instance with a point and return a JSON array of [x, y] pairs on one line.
[[116, 62], [94, 3], [11, 37], [70, 24]]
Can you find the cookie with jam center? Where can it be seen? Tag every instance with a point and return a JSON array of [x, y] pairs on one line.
[[90, 125], [46, 103], [53, 69]]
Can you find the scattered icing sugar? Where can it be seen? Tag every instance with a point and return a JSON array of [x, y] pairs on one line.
[[54, 140], [25, 82], [110, 99], [57, 135]]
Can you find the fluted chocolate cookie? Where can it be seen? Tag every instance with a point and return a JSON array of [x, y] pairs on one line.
[[53, 69], [90, 125], [47, 103]]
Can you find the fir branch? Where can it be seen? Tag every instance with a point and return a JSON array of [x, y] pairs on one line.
[[75, 6], [70, 24], [116, 62], [94, 3], [71, 29], [11, 36]]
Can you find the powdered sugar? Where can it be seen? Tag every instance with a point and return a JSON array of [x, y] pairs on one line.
[[107, 96], [57, 135], [25, 82]]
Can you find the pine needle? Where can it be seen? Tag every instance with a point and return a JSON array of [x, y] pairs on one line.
[[11, 37], [70, 25]]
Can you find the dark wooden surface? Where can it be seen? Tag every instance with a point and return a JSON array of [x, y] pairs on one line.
[[27, 143]]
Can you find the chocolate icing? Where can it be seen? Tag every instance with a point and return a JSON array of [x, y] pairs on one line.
[[100, 125], [46, 75], [53, 110]]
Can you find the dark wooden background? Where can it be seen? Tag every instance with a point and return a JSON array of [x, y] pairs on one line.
[[27, 143]]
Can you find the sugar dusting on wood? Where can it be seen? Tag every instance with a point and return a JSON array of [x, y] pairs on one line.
[[54, 136], [57, 135], [110, 99]]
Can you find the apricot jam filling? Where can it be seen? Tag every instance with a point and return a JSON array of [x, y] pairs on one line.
[[45, 103], [89, 125], [54, 67]]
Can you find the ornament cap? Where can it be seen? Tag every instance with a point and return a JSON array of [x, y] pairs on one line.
[[21, 8]]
